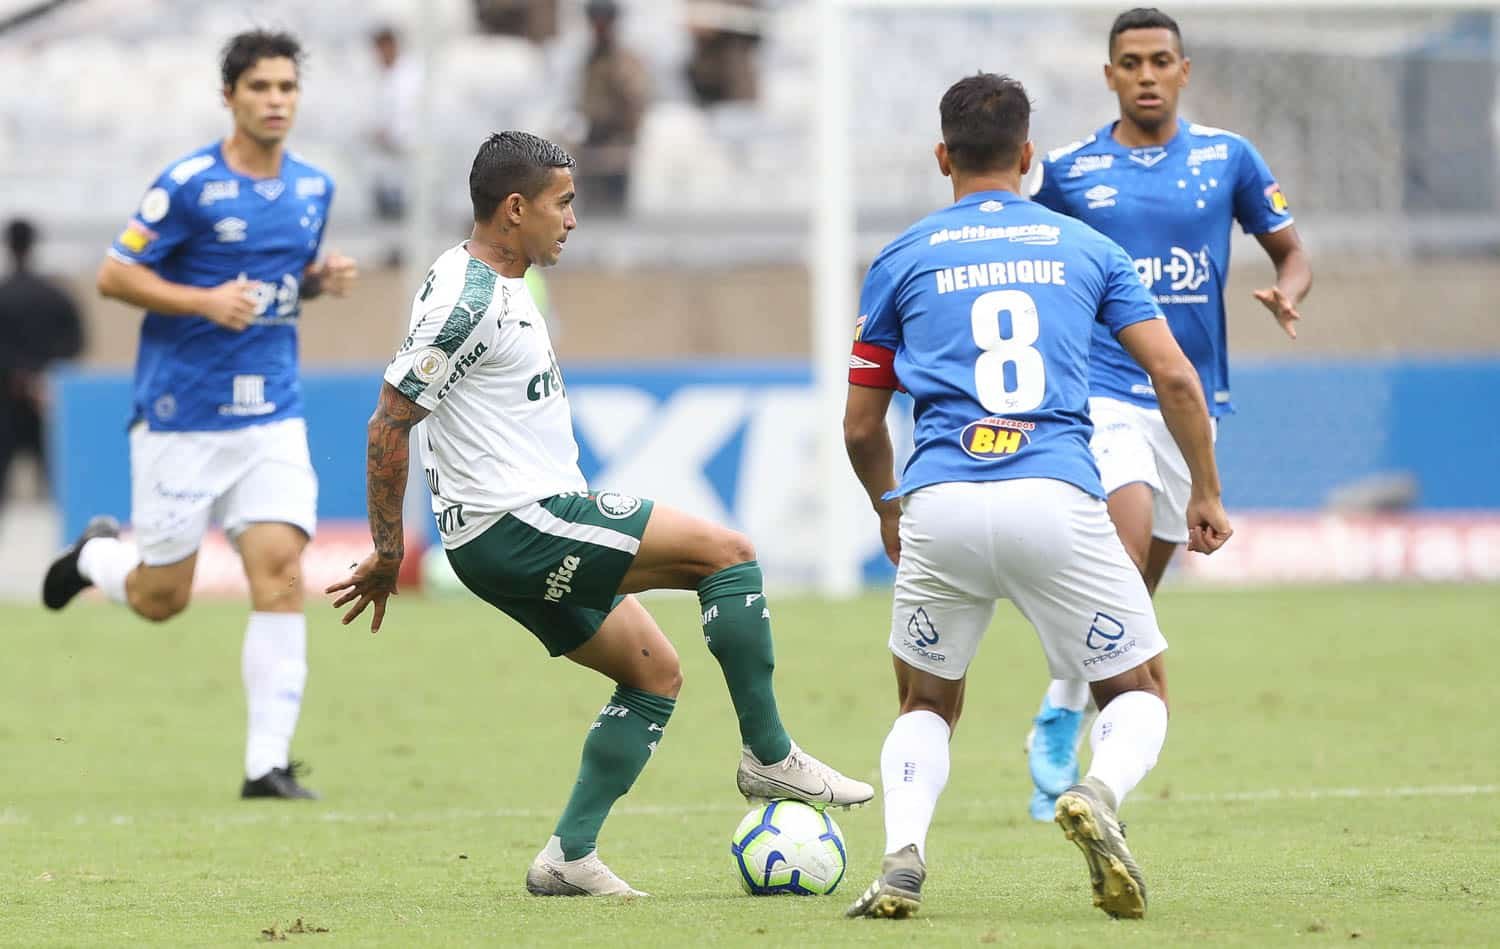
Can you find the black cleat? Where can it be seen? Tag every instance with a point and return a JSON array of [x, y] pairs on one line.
[[63, 581], [279, 782]]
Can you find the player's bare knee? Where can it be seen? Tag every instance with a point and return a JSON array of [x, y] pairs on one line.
[[662, 677], [161, 603], [734, 548]]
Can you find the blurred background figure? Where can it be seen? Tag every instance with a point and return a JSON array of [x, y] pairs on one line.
[[398, 95], [39, 325], [535, 20], [726, 40], [615, 91]]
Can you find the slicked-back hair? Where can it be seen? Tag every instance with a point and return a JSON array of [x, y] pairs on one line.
[[986, 119], [246, 49], [1143, 18], [512, 163]]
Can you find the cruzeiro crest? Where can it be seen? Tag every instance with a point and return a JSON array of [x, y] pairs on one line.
[[617, 506]]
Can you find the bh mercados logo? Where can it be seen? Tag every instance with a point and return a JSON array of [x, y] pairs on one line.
[[995, 437]]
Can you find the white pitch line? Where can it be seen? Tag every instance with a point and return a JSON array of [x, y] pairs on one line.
[[12, 817]]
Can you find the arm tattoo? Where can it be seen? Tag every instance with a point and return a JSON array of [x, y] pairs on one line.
[[386, 468]]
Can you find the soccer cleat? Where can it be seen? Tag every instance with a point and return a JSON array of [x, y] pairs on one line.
[[279, 782], [1043, 806], [551, 875], [798, 777], [63, 581], [1052, 750], [1086, 814], [897, 892]]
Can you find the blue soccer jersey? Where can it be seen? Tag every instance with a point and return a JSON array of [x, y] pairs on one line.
[[984, 313], [1172, 208], [202, 224]]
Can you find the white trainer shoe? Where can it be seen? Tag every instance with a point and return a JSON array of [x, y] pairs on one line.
[[798, 777], [551, 875]]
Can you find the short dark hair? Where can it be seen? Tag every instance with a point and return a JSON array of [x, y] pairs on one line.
[[512, 163], [1143, 18], [20, 237], [986, 119], [246, 49]]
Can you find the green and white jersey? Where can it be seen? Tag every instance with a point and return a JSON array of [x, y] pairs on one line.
[[478, 357]]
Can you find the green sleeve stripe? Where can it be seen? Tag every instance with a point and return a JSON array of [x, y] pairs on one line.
[[473, 300], [412, 387]]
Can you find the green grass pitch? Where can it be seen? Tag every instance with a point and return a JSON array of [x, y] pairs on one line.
[[1332, 774]]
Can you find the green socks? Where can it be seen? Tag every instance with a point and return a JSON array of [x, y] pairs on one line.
[[737, 627], [620, 742]]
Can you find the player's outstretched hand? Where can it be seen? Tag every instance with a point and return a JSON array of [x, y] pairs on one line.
[[370, 582], [337, 273], [231, 304], [1208, 525], [890, 530], [1281, 307]]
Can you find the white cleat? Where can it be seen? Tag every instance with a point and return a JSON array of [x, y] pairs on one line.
[[798, 777], [551, 875]]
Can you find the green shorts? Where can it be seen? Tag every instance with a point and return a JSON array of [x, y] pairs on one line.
[[555, 566]]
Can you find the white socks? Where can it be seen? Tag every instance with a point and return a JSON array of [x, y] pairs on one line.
[[913, 770], [1126, 738], [274, 665], [1071, 694], [106, 562]]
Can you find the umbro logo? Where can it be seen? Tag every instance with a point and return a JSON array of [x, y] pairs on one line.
[[1101, 196], [231, 230]]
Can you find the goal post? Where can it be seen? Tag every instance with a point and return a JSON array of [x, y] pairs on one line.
[[1333, 74]]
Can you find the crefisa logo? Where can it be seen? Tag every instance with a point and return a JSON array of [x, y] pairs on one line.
[[994, 437]]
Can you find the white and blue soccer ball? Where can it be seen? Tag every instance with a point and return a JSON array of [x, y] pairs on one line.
[[788, 847]]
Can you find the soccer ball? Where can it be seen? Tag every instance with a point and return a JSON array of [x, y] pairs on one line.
[[788, 847]]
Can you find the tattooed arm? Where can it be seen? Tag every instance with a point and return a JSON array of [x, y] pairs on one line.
[[387, 457], [386, 460]]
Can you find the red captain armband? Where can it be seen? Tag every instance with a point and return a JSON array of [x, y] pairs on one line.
[[873, 367]]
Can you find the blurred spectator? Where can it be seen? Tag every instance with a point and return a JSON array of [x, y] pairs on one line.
[[726, 34], [616, 90], [535, 20], [398, 95], [38, 325]]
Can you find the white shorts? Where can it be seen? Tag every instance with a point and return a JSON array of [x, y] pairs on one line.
[[181, 481], [1131, 443], [1046, 546]]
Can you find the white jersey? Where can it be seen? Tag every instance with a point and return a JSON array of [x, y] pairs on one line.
[[478, 358]]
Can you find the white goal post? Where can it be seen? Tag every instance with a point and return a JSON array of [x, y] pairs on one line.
[[832, 250]]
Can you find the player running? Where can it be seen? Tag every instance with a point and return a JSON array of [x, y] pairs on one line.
[[477, 379], [1169, 192], [984, 313], [221, 253]]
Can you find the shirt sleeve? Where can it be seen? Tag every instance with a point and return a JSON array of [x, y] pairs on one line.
[[1125, 300], [1259, 205], [877, 333], [327, 216], [436, 356], [1046, 192], [163, 222]]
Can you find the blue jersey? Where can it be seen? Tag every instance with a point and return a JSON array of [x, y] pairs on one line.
[[202, 224], [1172, 208], [984, 313]]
